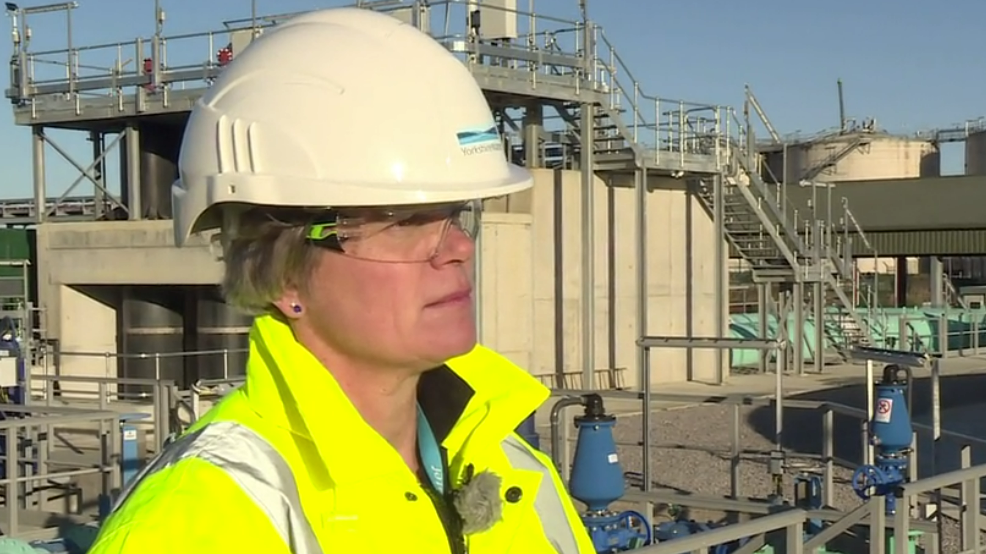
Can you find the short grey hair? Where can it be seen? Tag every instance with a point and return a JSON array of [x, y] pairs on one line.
[[262, 257]]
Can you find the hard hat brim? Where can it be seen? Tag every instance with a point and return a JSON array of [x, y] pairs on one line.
[[259, 190]]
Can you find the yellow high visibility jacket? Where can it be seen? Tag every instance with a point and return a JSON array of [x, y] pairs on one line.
[[285, 464]]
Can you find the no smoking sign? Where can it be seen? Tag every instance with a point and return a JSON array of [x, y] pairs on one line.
[[883, 408]]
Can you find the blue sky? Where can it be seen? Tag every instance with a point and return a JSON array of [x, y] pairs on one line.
[[911, 65]]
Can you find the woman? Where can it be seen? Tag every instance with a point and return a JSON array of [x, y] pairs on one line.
[[342, 157]]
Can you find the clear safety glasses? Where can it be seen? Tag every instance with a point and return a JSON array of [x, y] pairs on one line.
[[394, 234]]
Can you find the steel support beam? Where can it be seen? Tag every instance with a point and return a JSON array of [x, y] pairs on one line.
[[132, 141], [708, 342], [764, 299], [721, 298], [798, 293], [818, 292], [98, 141], [886, 356], [39, 172], [588, 132], [92, 172], [643, 353]]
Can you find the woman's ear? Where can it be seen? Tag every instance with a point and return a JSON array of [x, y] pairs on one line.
[[290, 305]]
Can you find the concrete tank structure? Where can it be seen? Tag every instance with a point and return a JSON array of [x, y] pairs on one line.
[[151, 324], [857, 156], [221, 329], [975, 153]]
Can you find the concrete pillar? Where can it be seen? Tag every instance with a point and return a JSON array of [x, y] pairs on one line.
[[99, 171]]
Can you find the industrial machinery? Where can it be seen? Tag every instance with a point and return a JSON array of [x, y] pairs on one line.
[[808, 496], [891, 434], [598, 480], [13, 367]]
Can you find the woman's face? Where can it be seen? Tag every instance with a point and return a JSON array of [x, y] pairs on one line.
[[374, 305]]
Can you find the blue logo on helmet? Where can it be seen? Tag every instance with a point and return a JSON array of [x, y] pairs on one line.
[[479, 141]]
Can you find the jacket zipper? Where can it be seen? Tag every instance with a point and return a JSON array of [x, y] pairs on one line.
[[449, 519], [451, 522]]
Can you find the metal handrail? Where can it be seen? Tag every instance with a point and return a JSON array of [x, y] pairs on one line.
[[11, 428], [791, 520]]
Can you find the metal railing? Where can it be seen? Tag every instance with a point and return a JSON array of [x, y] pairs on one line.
[[56, 390], [827, 460], [944, 333], [540, 49], [791, 521], [50, 360], [33, 434], [970, 519], [967, 479]]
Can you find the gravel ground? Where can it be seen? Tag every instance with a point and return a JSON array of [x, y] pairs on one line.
[[708, 473]]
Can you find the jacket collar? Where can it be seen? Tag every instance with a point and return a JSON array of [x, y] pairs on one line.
[[478, 398]]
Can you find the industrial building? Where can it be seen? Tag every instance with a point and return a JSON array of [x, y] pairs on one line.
[[611, 275], [108, 259]]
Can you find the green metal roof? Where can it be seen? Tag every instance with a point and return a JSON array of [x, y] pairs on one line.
[[949, 242], [943, 216], [936, 203]]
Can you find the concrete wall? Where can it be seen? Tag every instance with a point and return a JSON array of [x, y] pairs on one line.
[[680, 268], [87, 327], [122, 253], [506, 286]]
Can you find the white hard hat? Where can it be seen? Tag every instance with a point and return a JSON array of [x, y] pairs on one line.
[[339, 107]]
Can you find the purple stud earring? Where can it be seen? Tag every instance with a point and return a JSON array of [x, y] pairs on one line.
[[296, 308]]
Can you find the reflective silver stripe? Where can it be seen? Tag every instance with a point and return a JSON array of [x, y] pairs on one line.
[[254, 465], [548, 502]]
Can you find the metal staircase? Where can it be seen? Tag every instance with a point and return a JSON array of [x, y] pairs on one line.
[[835, 157], [759, 226], [781, 247]]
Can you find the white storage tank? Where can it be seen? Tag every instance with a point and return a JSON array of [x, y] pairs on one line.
[[975, 153], [871, 156]]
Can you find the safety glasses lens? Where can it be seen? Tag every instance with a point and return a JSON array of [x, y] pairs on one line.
[[400, 234]]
